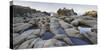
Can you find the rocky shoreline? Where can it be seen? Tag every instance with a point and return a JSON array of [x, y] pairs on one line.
[[35, 29], [54, 32]]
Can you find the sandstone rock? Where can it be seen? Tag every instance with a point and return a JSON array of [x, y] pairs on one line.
[[91, 13]]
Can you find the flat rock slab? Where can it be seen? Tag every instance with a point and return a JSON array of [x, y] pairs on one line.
[[22, 27]]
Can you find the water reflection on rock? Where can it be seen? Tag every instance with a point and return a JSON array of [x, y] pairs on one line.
[[47, 35]]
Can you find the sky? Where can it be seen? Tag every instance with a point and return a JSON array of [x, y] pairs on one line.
[[53, 7]]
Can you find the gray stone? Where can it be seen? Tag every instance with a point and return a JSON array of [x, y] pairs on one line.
[[25, 44], [22, 27], [72, 32], [19, 39], [65, 25], [15, 35], [50, 43], [75, 22], [18, 20], [90, 23], [68, 19], [60, 43], [17, 24], [92, 36], [64, 38], [32, 21], [39, 43], [36, 32]]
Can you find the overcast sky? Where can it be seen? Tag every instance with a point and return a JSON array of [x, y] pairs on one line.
[[53, 7]]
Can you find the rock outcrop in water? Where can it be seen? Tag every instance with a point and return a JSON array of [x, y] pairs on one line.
[[91, 13], [66, 12]]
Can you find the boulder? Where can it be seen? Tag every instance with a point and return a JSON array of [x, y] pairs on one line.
[[92, 36], [18, 20], [34, 43], [22, 27], [72, 32], [94, 28], [54, 25], [50, 43], [53, 43], [83, 22], [75, 22], [19, 39], [60, 36], [42, 29], [91, 13], [15, 35], [87, 18], [65, 38], [25, 44], [39, 43], [36, 32], [65, 25], [31, 36], [32, 21], [68, 20], [60, 43], [66, 12], [17, 24], [90, 23]]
